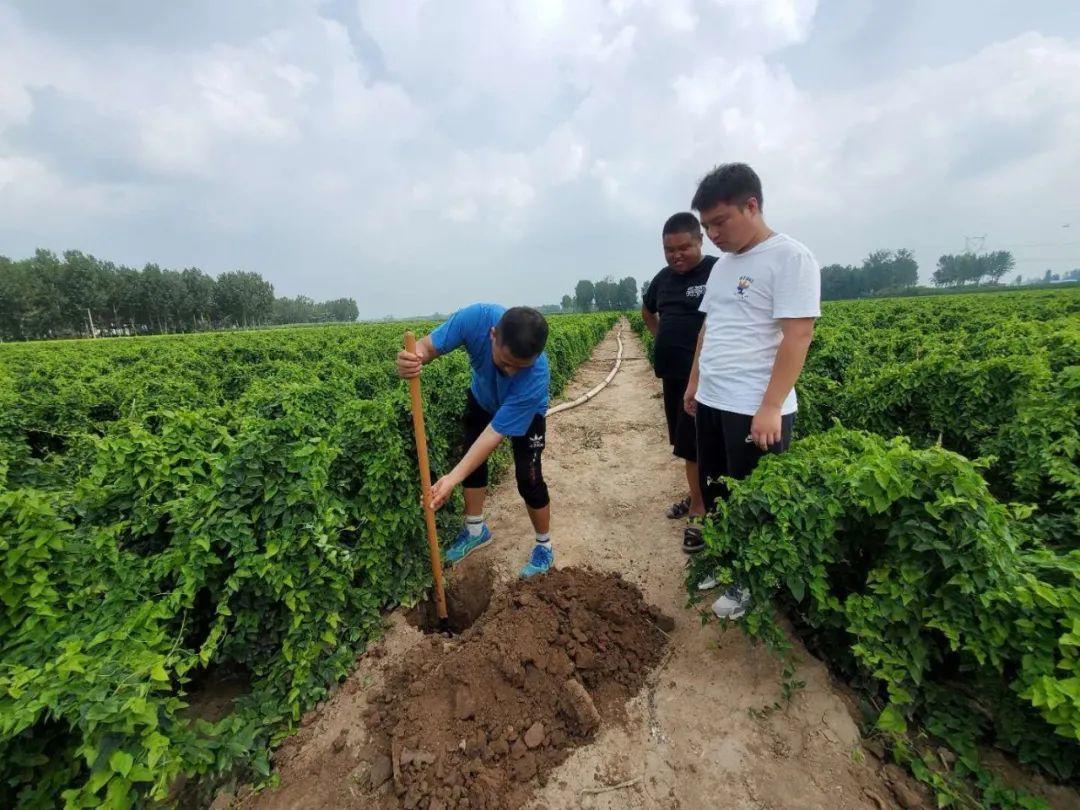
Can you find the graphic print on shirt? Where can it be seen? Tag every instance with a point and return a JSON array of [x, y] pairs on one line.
[[743, 286], [696, 291]]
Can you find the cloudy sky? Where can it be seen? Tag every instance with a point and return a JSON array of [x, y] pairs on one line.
[[420, 154]]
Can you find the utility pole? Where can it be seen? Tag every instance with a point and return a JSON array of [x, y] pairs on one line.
[[974, 244], [91, 317]]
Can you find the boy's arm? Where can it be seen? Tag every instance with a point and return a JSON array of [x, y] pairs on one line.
[[483, 447], [690, 396], [790, 357], [652, 320], [408, 364]]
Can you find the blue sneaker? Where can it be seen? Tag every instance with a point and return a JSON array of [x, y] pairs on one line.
[[464, 544], [540, 561]]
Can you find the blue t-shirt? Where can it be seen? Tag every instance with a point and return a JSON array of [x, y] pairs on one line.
[[513, 399]]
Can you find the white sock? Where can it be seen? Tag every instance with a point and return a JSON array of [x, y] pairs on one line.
[[475, 525], [544, 539]]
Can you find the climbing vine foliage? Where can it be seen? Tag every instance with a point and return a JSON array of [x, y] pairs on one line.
[[175, 506], [924, 529]]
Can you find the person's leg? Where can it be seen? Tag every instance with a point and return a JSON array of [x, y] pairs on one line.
[[711, 455], [673, 412], [685, 448], [529, 473], [711, 467], [697, 502], [742, 458], [541, 519], [475, 533], [475, 497]]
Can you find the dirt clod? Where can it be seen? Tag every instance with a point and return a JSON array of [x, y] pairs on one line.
[[538, 701], [535, 735], [340, 741], [464, 704]]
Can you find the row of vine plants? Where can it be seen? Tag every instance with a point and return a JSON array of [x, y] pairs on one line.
[[922, 532], [176, 506]]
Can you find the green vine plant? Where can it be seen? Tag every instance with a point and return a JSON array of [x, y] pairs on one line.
[[175, 506], [923, 533]]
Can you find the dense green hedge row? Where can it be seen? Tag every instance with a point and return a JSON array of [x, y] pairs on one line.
[[170, 505], [950, 585]]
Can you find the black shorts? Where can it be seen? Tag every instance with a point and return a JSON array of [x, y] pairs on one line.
[[680, 424], [723, 449], [527, 451]]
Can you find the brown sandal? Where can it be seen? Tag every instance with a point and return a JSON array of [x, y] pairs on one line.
[[679, 510]]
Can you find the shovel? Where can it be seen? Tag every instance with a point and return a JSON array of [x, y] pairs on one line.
[[425, 487]]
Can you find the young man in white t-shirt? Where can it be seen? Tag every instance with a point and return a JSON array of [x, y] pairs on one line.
[[760, 303]]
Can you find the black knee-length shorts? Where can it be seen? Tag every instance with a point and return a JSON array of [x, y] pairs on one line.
[[527, 452], [682, 434]]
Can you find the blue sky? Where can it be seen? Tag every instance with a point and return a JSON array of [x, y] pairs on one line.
[[418, 155]]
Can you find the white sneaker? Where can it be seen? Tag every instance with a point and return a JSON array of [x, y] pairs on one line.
[[732, 604], [707, 584]]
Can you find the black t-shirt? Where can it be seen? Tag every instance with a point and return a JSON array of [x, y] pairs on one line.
[[676, 296]]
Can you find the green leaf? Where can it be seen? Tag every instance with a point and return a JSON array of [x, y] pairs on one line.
[[892, 720], [121, 762]]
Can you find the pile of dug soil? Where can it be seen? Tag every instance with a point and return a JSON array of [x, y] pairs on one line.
[[469, 722]]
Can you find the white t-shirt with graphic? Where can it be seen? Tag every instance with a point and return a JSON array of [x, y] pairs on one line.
[[745, 297]]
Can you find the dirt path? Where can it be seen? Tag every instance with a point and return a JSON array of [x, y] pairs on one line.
[[690, 740]]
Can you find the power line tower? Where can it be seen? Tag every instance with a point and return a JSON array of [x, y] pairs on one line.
[[974, 244]]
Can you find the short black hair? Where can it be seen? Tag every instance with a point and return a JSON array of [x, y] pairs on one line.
[[728, 184], [684, 222], [523, 331]]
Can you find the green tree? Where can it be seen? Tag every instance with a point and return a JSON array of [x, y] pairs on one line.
[[200, 295], [341, 310], [998, 264], [567, 303], [243, 298], [905, 270], [604, 292], [583, 295], [14, 300], [840, 281], [626, 297]]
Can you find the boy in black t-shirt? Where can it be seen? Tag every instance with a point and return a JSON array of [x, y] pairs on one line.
[[670, 310]]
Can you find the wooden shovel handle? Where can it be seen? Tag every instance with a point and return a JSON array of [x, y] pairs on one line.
[[425, 482]]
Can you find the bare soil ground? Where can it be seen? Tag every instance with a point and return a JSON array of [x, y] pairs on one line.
[[691, 737]]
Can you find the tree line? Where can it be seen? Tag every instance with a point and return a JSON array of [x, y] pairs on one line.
[[76, 294], [972, 268], [881, 271], [886, 272], [602, 296]]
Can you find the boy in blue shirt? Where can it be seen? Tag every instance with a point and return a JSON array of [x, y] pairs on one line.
[[508, 397]]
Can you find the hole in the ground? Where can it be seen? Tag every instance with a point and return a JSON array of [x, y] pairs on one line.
[[468, 594]]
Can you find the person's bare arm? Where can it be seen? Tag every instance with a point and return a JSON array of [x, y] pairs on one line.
[[790, 357], [483, 447], [652, 320], [409, 364], [690, 397]]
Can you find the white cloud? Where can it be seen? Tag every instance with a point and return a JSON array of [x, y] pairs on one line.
[[419, 154]]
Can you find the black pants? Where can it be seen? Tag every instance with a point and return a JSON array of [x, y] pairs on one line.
[[722, 449], [527, 450], [680, 424]]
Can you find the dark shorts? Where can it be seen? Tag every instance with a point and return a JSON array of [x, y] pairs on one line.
[[680, 424], [723, 450], [527, 451]]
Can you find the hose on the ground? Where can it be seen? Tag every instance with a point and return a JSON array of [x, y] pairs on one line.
[[565, 406]]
